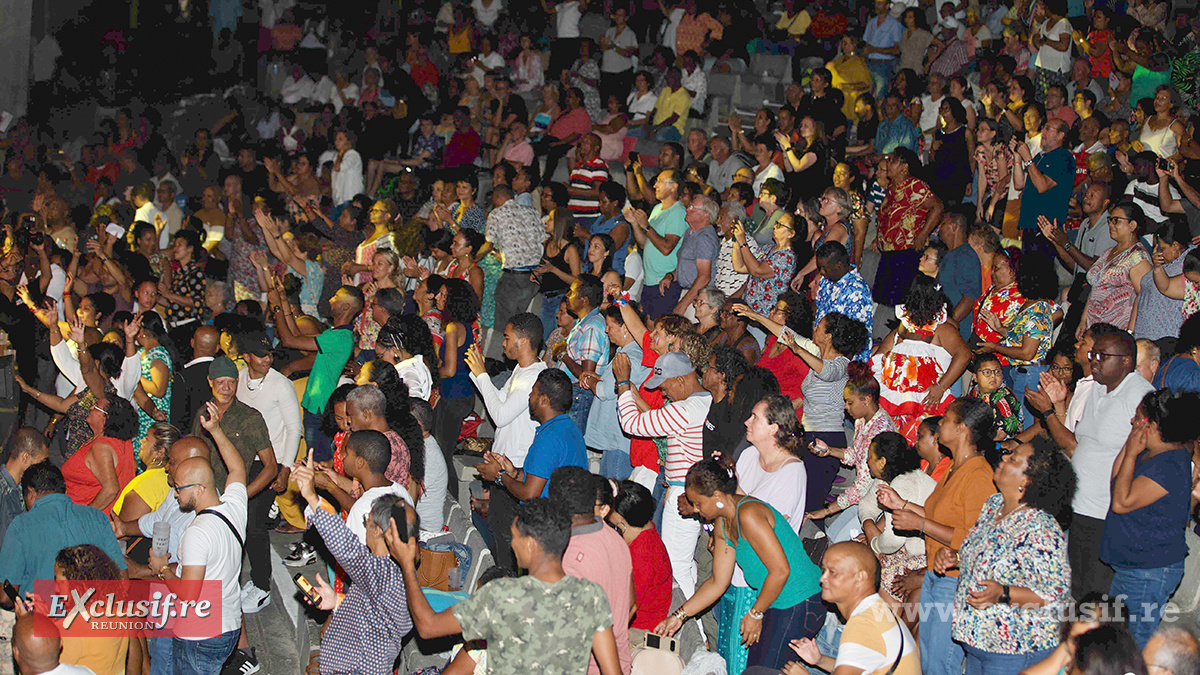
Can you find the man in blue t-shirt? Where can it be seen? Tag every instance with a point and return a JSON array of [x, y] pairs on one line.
[[557, 442], [1045, 183]]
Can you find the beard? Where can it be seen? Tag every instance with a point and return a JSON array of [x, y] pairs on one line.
[[187, 508]]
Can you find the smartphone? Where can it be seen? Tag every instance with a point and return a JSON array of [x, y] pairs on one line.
[[307, 589], [633, 157], [401, 519], [115, 230], [669, 644], [10, 590], [787, 335]]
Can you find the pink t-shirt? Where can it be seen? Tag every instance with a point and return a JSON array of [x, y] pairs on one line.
[[597, 553]]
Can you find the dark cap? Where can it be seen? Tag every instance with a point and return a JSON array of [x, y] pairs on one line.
[[256, 343]]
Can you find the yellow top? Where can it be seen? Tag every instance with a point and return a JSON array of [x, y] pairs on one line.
[[678, 102], [150, 485]]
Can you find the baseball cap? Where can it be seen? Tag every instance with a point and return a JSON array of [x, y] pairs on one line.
[[256, 343], [671, 364], [222, 366]]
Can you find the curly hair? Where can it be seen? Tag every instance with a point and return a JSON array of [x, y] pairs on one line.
[[708, 476], [410, 333], [898, 458], [1036, 279], [1051, 480], [120, 421], [86, 562], [462, 306], [923, 300], [799, 314], [782, 414], [730, 363], [849, 337], [1174, 413], [398, 414], [697, 348]]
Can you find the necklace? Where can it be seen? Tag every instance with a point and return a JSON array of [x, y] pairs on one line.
[[250, 380]]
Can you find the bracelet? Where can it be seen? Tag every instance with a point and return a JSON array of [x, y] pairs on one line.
[[622, 382], [923, 521], [757, 616], [680, 614], [162, 571]]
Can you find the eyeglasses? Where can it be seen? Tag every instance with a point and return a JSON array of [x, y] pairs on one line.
[[178, 488], [1101, 357], [1128, 220], [1062, 369], [989, 371]]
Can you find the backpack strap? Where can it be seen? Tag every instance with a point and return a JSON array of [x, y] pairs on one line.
[[241, 542]]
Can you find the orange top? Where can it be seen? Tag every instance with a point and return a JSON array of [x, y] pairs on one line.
[[957, 501]]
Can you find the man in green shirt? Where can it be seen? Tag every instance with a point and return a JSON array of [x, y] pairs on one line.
[[543, 622], [330, 352], [246, 429], [658, 235]]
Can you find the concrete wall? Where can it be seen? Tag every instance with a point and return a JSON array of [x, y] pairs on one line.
[[15, 46]]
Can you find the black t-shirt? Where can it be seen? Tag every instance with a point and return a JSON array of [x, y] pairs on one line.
[[825, 109], [516, 106], [254, 181], [722, 433]]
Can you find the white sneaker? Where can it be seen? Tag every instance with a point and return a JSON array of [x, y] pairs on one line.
[[254, 599]]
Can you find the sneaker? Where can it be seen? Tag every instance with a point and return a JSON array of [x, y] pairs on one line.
[[241, 662], [302, 554], [255, 599]]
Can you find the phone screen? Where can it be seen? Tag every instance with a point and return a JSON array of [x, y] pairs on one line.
[[307, 588], [653, 641]]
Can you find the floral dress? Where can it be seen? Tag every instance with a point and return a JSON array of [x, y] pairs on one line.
[[908, 370], [163, 402], [1191, 297], [901, 215], [1026, 548], [591, 95], [761, 294], [1004, 303], [1113, 296]]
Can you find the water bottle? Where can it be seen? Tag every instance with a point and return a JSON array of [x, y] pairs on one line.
[[162, 538]]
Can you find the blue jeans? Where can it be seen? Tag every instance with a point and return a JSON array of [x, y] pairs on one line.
[[615, 464], [781, 626], [161, 655], [828, 641], [980, 662], [844, 526], [314, 436], [1018, 381], [881, 74], [1145, 592], [549, 314], [659, 493], [203, 657], [664, 135], [940, 654], [581, 407]]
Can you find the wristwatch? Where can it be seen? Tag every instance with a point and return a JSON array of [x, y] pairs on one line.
[[1026, 163], [1005, 595]]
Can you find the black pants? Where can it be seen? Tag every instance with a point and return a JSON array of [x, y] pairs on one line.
[[501, 509], [1088, 574], [258, 535], [821, 471], [553, 154], [447, 423], [1033, 241], [1077, 295]]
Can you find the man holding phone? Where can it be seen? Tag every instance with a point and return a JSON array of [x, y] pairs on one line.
[[365, 631]]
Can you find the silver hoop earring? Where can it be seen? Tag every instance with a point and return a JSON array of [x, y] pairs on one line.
[[720, 505]]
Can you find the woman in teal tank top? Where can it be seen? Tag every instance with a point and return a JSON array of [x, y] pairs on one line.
[[754, 535]]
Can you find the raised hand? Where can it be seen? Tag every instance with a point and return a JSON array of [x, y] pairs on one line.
[[212, 421]]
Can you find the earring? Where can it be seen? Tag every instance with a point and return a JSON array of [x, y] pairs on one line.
[[720, 505]]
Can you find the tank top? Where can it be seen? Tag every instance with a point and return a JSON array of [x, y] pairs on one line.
[[551, 285], [1161, 142], [459, 384], [804, 580]]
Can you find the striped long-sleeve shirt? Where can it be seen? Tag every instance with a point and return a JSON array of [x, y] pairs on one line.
[[680, 422]]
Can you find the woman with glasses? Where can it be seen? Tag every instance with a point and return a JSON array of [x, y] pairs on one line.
[[832, 223], [773, 267], [1116, 277], [1000, 303], [708, 305], [101, 469], [791, 314]]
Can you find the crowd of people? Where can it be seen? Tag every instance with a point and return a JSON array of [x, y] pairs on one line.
[[899, 377]]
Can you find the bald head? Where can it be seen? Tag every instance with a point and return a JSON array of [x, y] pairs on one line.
[[35, 644], [195, 470], [850, 573], [182, 450], [206, 341]]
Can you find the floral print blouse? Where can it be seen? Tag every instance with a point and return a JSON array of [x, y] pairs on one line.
[[189, 283], [1004, 303], [1005, 408], [1036, 320], [761, 294], [1113, 296], [856, 455], [1026, 548]]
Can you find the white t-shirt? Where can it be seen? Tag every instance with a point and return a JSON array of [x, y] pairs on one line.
[[416, 375], [567, 19], [1049, 58], [354, 517], [785, 489], [431, 507], [208, 542], [610, 60], [508, 409], [929, 112], [275, 397], [1101, 432], [348, 181], [68, 669]]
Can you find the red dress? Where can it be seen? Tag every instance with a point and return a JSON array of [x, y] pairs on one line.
[[82, 485], [788, 368]]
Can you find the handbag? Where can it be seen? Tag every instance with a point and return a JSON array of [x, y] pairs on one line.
[[434, 570]]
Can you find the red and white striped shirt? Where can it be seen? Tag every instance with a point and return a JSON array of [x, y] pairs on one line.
[[680, 422], [586, 176]]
